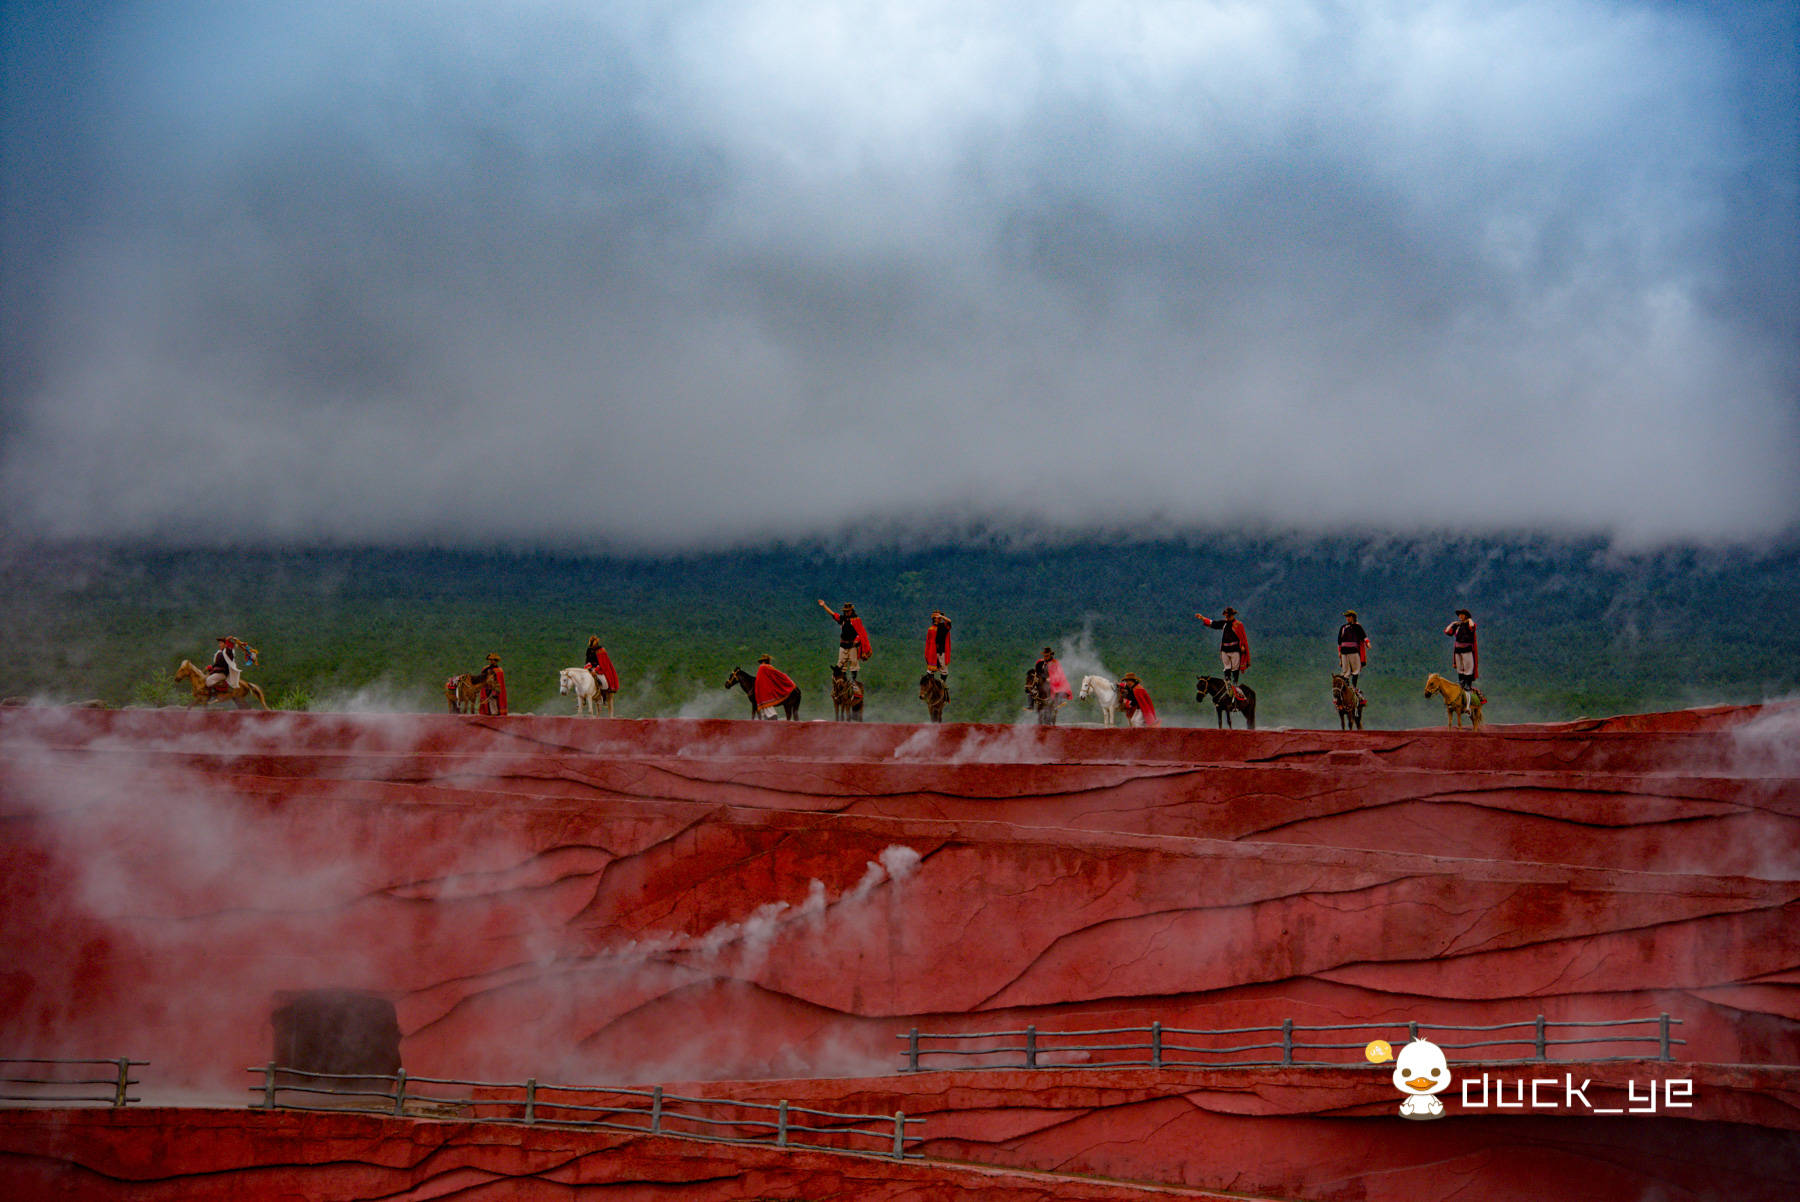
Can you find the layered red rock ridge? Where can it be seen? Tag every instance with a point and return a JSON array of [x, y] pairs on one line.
[[635, 901]]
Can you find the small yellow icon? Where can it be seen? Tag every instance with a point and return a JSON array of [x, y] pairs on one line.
[[1379, 1051]]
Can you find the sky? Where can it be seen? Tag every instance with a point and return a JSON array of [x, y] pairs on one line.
[[689, 275]]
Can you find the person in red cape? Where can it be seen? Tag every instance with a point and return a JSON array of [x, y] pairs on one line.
[[772, 684], [1053, 676], [1234, 646], [1465, 653], [937, 646], [601, 665], [493, 694], [1353, 648], [1135, 698], [853, 639]]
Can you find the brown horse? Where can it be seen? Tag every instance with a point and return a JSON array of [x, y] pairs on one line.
[[463, 693], [1457, 702], [1040, 699], [935, 694], [846, 697], [1225, 703], [790, 705], [1349, 701], [204, 696]]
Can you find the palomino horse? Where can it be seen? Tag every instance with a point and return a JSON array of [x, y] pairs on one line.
[[1104, 693], [463, 693], [204, 696], [846, 697], [589, 695], [1457, 701], [1349, 701], [790, 705], [935, 694], [1225, 702]]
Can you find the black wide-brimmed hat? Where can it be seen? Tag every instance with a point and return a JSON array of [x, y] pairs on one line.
[[1465, 613], [1351, 614], [1228, 612]]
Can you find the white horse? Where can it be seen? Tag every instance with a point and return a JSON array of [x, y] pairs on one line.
[[588, 694], [1104, 693]]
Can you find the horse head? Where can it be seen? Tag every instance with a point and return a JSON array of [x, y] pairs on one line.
[[1434, 684]]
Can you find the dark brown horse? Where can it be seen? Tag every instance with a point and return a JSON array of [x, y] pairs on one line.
[[1225, 702], [846, 697], [935, 694], [1349, 701], [1039, 699], [790, 705]]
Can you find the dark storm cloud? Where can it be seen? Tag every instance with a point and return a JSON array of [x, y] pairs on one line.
[[683, 274]]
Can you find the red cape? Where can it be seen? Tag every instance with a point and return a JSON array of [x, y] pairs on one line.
[[607, 670], [772, 685], [1138, 698], [1059, 684], [493, 696], [863, 647], [1243, 643], [930, 662]]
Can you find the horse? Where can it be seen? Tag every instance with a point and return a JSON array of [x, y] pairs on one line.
[[935, 694], [1105, 695], [1457, 701], [846, 697], [1225, 702], [741, 679], [1349, 701], [588, 693], [463, 693], [204, 696], [1039, 699]]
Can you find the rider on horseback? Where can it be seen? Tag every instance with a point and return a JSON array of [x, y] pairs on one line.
[[222, 673], [853, 639], [1465, 654], [1234, 647], [601, 665], [1353, 649]]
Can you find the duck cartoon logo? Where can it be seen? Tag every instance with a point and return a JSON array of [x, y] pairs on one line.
[[1420, 1072]]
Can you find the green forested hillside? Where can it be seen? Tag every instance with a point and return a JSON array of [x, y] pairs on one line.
[[1567, 629]]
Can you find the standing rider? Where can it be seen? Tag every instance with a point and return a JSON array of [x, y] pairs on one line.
[[937, 645], [772, 685], [1465, 655], [1353, 649], [853, 639], [1054, 678], [601, 665], [1140, 710], [492, 699], [1234, 647]]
